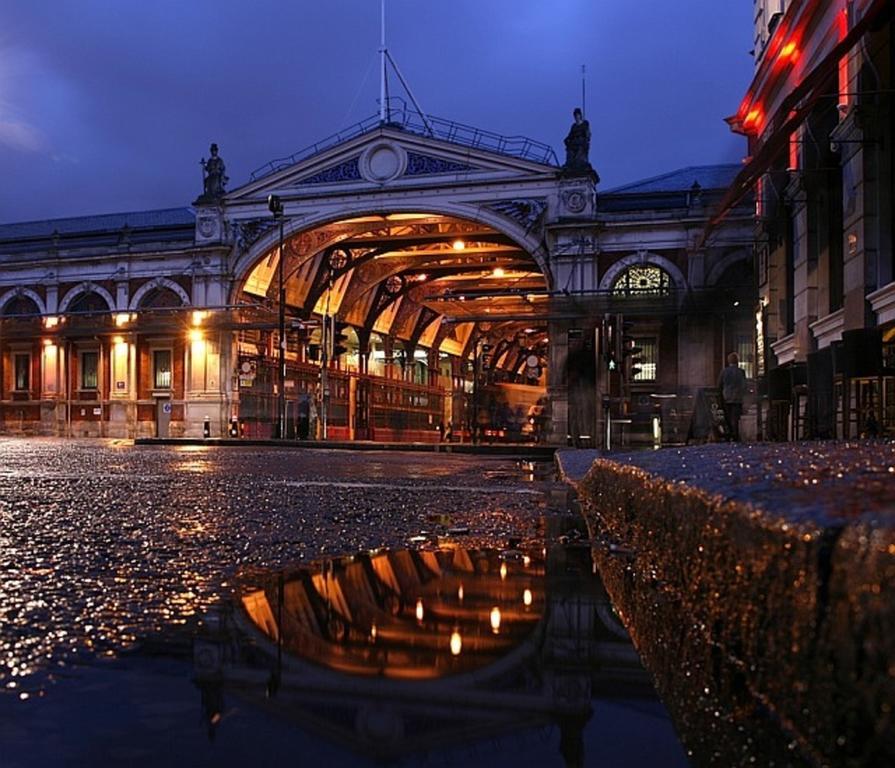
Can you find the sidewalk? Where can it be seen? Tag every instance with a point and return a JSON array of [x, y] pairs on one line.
[[521, 450]]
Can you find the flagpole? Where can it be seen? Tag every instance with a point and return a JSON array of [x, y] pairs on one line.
[[382, 75]]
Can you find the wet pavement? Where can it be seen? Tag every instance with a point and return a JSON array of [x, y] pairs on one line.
[[826, 483], [110, 554]]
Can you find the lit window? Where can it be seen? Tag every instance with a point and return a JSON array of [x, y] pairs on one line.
[[89, 370], [648, 359], [22, 365], [746, 353], [644, 280], [161, 369]]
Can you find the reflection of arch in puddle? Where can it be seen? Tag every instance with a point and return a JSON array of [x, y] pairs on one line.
[[394, 614], [339, 647]]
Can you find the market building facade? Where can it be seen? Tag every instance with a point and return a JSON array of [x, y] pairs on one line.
[[406, 281], [820, 123]]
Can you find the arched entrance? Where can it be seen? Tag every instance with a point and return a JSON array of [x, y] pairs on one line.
[[401, 326]]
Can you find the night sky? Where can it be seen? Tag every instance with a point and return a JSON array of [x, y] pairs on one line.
[[108, 106]]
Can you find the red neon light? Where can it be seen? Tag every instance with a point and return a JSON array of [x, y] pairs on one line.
[[752, 122], [842, 23], [790, 51]]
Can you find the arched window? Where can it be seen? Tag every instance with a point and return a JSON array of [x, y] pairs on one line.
[[642, 280], [160, 298], [20, 306], [88, 303]]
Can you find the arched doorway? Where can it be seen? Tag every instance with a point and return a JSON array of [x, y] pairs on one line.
[[405, 326]]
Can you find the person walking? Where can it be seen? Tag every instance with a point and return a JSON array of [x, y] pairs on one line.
[[732, 383]]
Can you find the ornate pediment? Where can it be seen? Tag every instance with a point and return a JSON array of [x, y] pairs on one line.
[[390, 157]]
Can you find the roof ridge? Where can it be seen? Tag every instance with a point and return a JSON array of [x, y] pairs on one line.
[[633, 185], [62, 219]]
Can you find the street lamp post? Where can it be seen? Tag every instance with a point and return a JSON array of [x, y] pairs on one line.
[[275, 205]]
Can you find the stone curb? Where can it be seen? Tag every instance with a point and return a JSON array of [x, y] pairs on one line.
[[767, 639]]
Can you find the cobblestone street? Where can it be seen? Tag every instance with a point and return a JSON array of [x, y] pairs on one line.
[[106, 546]]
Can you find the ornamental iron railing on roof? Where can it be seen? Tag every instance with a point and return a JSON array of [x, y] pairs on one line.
[[402, 118]]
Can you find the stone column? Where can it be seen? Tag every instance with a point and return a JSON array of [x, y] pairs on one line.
[[804, 265], [557, 386], [859, 217]]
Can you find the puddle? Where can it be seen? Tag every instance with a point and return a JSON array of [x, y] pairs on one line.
[[444, 655], [447, 655]]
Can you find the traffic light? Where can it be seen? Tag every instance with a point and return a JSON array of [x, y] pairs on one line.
[[631, 359], [630, 351], [340, 339], [486, 357]]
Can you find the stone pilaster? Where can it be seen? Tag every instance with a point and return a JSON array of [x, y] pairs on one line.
[[804, 266], [859, 217], [557, 386]]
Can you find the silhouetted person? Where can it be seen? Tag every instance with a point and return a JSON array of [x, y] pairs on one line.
[[732, 383]]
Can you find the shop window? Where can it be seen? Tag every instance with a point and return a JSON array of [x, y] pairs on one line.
[[22, 371], [161, 369], [50, 369], [204, 365], [649, 359], [120, 362], [89, 370]]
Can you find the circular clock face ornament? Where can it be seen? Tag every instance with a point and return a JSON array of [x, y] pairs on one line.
[[246, 366], [576, 201], [338, 259], [532, 361], [394, 284]]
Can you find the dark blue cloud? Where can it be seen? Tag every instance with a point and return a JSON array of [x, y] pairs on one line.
[[108, 106]]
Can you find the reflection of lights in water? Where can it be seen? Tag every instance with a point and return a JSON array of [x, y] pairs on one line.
[[503, 571], [404, 624], [526, 597], [199, 466]]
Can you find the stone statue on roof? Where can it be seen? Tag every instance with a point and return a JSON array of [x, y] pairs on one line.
[[578, 146], [214, 176]]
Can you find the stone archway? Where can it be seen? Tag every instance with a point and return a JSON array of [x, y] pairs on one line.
[[401, 274], [159, 283], [268, 241], [85, 288]]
